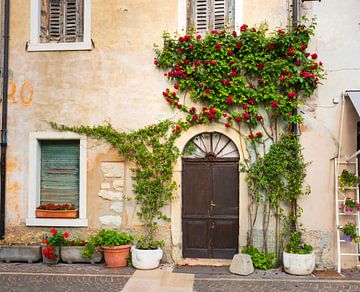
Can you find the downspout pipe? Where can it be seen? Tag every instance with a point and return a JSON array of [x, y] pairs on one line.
[[5, 72]]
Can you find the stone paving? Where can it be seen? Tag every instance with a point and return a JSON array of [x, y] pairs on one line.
[[21, 277]]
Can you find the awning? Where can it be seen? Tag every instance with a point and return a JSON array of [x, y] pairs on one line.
[[355, 99]]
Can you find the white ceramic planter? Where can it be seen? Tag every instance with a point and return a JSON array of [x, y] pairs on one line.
[[146, 259], [299, 264]]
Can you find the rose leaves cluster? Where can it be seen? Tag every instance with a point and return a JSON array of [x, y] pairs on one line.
[[232, 75]]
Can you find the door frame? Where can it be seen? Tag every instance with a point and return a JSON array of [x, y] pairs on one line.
[[176, 204]]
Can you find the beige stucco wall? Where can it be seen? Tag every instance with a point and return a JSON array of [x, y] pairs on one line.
[[117, 82]]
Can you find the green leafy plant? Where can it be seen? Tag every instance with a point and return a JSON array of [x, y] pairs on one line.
[[349, 229], [146, 243], [348, 179], [106, 238], [129, 260], [260, 260], [57, 238], [296, 244]]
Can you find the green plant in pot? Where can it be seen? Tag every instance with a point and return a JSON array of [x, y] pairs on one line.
[[147, 253], [51, 246], [72, 252], [348, 179], [349, 231], [115, 245], [261, 260]]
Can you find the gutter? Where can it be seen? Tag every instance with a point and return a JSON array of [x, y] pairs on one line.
[[5, 71]]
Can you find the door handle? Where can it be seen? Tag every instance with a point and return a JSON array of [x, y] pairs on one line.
[[213, 205]]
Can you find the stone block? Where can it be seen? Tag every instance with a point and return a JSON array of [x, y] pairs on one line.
[[117, 207], [113, 169], [242, 265], [109, 195], [105, 186], [118, 184], [111, 221]]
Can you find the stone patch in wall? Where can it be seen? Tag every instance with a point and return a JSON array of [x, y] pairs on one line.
[[117, 207], [105, 186], [110, 195], [111, 221], [113, 169]]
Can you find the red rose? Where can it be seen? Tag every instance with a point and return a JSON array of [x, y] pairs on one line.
[[320, 63], [259, 134], [245, 106], [187, 38], [53, 231], [222, 81], [234, 33], [218, 46], [307, 54], [198, 37], [191, 48], [207, 90], [233, 73], [213, 62], [155, 62], [178, 128], [194, 117], [303, 47], [176, 86], [201, 85], [204, 62], [186, 61], [282, 79], [173, 94], [192, 110], [251, 136], [274, 104], [169, 100], [252, 100], [230, 100], [165, 93], [230, 52], [260, 66], [243, 27], [179, 106], [280, 32], [181, 39], [289, 115], [314, 56], [224, 115], [292, 94], [259, 118], [297, 63], [212, 110], [271, 47], [227, 125], [197, 63], [227, 82], [181, 50], [214, 31], [66, 234], [239, 45], [246, 115], [238, 119]]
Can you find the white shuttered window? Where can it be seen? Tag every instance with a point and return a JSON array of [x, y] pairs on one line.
[[206, 15]]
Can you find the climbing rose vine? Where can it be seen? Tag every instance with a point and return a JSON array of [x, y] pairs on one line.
[[231, 76]]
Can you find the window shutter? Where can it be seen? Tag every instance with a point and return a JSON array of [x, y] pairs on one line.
[[73, 20], [45, 4], [60, 164], [54, 20], [219, 14]]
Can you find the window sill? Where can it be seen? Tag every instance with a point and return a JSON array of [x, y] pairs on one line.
[[41, 47], [57, 222]]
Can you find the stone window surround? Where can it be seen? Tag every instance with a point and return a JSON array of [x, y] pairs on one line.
[[182, 15], [34, 180], [34, 43]]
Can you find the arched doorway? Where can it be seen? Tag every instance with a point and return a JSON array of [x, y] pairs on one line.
[[210, 197]]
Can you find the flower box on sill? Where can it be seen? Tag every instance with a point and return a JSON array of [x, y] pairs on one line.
[[57, 211]]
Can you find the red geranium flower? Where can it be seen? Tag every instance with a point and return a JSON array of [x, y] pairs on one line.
[[314, 56], [230, 100], [251, 136], [280, 32], [66, 234], [243, 27], [53, 231]]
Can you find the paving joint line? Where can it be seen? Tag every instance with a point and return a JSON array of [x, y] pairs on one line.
[[64, 274], [279, 280]]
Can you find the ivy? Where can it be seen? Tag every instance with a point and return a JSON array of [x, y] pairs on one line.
[[154, 153]]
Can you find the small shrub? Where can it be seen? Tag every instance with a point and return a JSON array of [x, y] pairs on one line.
[[261, 260], [296, 244]]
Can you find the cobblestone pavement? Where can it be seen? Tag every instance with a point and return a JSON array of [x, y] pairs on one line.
[[20, 277]]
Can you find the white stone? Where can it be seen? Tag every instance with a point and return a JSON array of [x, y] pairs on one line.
[[242, 264], [117, 207], [105, 186], [111, 221], [109, 195], [113, 169], [118, 184]]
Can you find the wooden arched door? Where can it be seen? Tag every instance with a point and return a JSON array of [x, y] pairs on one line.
[[210, 197]]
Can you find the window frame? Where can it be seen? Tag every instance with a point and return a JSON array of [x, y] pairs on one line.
[[183, 15], [34, 179], [35, 44]]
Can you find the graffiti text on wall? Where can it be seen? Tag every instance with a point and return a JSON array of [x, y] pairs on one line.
[[24, 95]]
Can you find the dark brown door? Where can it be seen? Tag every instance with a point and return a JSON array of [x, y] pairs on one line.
[[210, 208]]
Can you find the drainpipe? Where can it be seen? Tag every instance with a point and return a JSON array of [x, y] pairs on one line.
[[4, 117]]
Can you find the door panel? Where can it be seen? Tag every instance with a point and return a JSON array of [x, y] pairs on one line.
[[210, 208]]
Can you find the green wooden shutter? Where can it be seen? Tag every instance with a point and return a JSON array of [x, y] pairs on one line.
[[60, 164]]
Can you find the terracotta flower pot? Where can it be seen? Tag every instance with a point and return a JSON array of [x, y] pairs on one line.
[[70, 214], [115, 256]]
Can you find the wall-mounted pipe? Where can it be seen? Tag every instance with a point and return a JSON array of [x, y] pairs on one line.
[[5, 72]]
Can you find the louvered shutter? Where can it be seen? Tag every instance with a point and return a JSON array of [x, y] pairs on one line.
[[55, 20], [73, 20], [59, 178], [202, 15], [219, 14]]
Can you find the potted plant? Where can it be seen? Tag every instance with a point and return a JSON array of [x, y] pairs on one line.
[[72, 252], [349, 231], [348, 179], [115, 245], [68, 211], [24, 249], [350, 206], [147, 253], [51, 246], [298, 257]]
